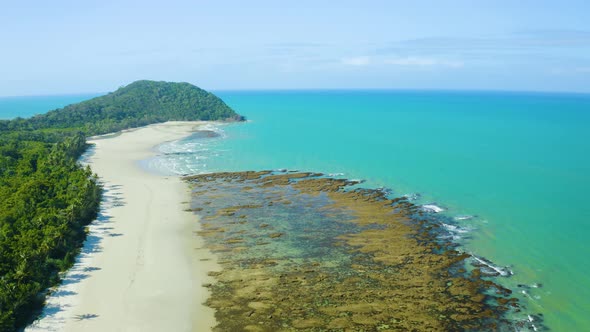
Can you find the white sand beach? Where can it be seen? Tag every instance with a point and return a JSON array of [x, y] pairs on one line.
[[139, 269]]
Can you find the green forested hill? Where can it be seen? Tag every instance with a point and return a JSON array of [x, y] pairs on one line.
[[47, 198], [137, 104]]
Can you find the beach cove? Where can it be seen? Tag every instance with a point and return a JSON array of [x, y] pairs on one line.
[[150, 262], [137, 270]]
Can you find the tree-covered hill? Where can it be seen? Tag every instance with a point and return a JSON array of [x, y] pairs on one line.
[[137, 104], [47, 198]]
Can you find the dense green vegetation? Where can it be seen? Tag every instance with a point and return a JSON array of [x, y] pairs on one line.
[[47, 198], [135, 105]]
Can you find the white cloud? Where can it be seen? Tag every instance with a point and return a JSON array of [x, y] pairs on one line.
[[356, 61], [422, 62]]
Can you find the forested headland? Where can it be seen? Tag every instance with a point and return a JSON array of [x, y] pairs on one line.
[[47, 198]]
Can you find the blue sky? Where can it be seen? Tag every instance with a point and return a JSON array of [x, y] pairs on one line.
[[66, 46]]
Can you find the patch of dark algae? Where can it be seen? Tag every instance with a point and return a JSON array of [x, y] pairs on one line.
[[303, 252]]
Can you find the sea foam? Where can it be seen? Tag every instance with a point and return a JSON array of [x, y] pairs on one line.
[[189, 155], [432, 207]]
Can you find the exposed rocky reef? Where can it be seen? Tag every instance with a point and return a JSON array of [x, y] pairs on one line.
[[301, 251]]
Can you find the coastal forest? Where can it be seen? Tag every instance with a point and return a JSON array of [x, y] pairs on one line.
[[47, 197]]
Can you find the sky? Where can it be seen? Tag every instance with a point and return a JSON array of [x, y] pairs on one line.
[[73, 46]]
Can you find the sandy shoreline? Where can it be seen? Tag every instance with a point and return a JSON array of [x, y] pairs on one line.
[[138, 270]]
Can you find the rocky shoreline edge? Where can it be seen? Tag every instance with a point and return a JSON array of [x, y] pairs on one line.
[[303, 251]]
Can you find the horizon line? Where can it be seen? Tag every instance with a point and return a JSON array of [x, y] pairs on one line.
[[556, 92]]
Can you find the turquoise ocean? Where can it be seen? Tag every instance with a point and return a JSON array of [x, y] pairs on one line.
[[27, 106], [518, 163]]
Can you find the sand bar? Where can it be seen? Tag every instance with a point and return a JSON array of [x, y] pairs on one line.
[[138, 270]]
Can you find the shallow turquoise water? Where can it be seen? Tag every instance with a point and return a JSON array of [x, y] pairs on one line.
[[24, 107], [521, 162]]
